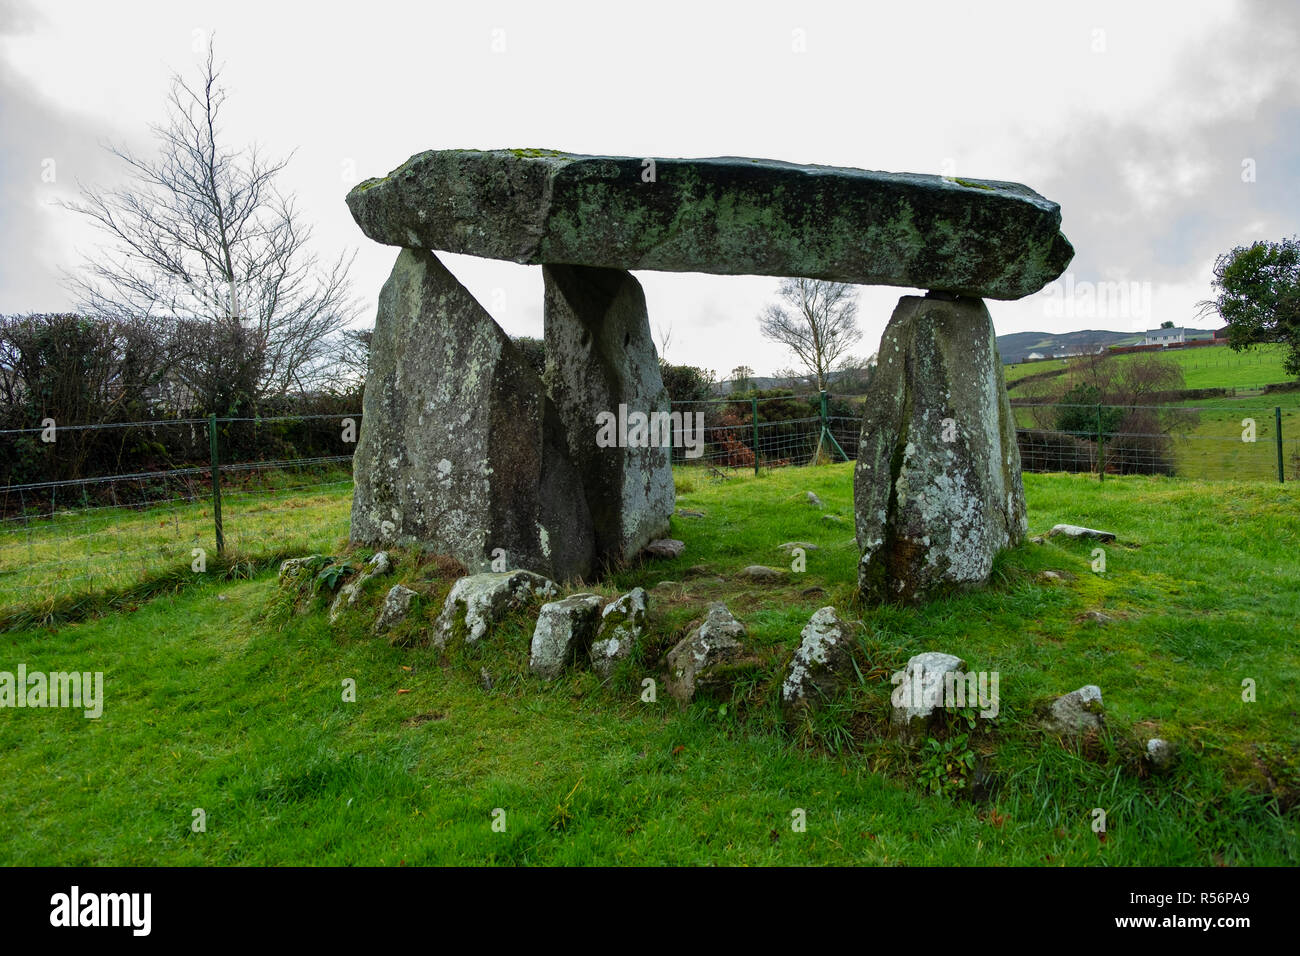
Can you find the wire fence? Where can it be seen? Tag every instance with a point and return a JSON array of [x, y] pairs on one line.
[[69, 536]]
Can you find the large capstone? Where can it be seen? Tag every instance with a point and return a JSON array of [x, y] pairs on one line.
[[937, 490], [727, 216], [461, 452], [602, 372]]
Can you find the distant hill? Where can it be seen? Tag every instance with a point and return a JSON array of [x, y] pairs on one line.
[[1018, 346]]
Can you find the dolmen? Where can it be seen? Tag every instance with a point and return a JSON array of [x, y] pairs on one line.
[[465, 450]]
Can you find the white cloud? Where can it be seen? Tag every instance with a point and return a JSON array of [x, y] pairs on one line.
[[1141, 142]]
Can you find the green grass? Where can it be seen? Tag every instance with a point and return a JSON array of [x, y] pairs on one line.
[[1211, 366], [1211, 444], [71, 563], [222, 696]]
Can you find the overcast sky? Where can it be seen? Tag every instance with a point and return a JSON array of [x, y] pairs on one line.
[[1146, 122]]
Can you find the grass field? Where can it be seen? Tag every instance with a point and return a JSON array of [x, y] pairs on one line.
[[52, 566], [1212, 445], [221, 696], [1212, 366]]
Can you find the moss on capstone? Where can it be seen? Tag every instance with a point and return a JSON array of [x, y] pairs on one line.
[[533, 152], [972, 184]]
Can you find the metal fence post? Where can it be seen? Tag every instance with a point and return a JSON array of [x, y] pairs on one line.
[[216, 483], [1277, 427], [1101, 466], [754, 406]]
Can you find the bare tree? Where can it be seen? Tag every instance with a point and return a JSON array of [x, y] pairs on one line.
[[817, 320], [352, 361], [853, 373], [664, 337], [202, 237]]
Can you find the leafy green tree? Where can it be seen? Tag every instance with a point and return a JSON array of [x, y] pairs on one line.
[[1077, 412], [686, 383], [1258, 295]]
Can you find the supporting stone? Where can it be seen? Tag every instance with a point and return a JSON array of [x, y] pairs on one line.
[[600, 357], [937, 490], [461, 452]]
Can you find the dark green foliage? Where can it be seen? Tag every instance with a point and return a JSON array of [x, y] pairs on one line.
[[1077, 412], [1258, 294]]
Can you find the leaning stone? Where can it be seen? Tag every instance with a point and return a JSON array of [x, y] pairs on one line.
[[1075, 713], [1160, 754], [397, 604], [727, 215], [815, 501], [602, 370], [937, 490], [702, 659], [822, 666], [761, 574], [919, 698], [564, 630], [622, 625], [461, 452], [478, 602], [1075, 531], [665, 548]]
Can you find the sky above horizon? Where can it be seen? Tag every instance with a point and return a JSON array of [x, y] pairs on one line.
[[1169, 133]]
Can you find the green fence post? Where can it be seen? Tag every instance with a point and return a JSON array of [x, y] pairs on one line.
[[216, 483], [1277, 427], [826, 426], [754, 405], [821, 435], [1101, 466]]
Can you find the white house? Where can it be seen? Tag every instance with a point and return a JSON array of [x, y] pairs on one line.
[[1176, 336]]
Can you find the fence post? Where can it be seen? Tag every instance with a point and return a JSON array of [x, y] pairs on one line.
[[1101, 466], [1277, 427], [216, 483], [754, 406]]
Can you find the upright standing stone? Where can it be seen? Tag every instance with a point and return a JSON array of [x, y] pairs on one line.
[[461, 452], [600, 358], [937, 490]]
